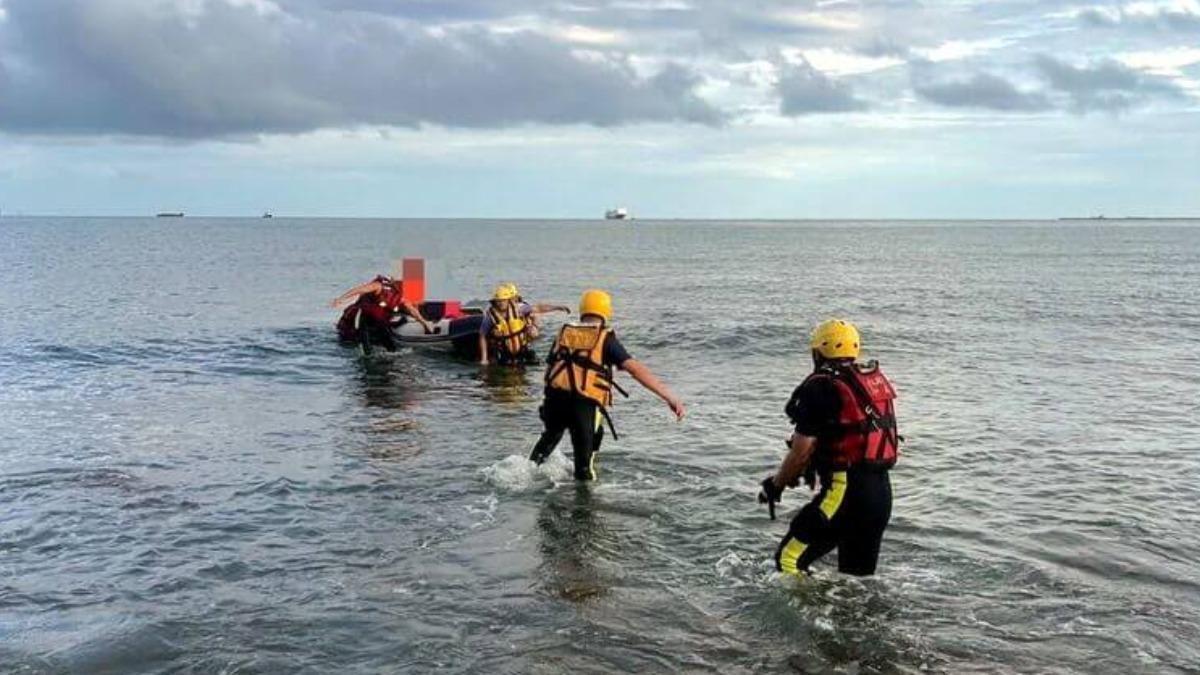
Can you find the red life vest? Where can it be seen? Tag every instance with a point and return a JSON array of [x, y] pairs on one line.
[[385, 303], [866, 430]]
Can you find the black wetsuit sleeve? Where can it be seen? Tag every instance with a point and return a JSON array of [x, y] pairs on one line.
[[815, 407], [614, 352]]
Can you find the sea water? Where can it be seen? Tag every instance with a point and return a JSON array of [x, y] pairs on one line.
[[196, 478]]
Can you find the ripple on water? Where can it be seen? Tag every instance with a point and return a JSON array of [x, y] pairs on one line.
[[203, 481]]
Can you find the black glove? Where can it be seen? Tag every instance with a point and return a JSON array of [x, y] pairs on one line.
[[810, 477], [770, 495]]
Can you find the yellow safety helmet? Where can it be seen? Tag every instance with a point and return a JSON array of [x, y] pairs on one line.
[[505, 291], [836, 339], [596, 302]]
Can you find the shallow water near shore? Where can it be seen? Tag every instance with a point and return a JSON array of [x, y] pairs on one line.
[[196, 478]]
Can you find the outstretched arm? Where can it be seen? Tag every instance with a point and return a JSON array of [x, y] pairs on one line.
[[543, 308], [415, 312], [650, 381], [353, 294], [796, 460]]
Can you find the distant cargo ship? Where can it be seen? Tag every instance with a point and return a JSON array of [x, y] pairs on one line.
[[619, 213], [170, 214]]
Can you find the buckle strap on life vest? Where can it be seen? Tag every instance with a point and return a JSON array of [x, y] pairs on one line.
[[884, 422], [502, 336]]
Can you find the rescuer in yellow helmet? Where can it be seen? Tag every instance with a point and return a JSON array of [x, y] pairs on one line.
[[579, 384], [509, 325], [845, 434]]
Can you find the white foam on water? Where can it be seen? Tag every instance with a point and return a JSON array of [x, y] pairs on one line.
[[740, 570], [484, 510], [516, 473], [824, 623]]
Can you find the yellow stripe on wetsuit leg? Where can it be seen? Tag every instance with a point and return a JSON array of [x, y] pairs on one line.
[[833, 498], [790, 554], [592, 457]]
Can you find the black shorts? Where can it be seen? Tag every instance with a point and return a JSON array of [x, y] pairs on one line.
[[850, 514]]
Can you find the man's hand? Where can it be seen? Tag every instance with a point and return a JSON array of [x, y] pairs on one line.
[[676, 407], [770, 494]]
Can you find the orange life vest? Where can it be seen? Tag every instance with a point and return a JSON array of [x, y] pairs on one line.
[[577, 363], [510, 331]]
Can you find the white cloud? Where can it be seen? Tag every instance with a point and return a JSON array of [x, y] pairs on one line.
[[834, 21], [1154, 8], [1181, 15], [651, 5], [838, 62], [1167, 62], [956, 50], [584, 35]]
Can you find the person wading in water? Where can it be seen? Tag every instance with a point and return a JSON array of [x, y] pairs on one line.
[[846, 437]]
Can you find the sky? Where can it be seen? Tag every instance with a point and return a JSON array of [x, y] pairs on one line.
[[564, 108]]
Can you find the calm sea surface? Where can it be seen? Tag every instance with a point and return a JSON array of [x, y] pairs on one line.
[[196, 478]]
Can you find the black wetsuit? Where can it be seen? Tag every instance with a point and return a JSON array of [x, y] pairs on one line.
[[563, 411], [852, 508]]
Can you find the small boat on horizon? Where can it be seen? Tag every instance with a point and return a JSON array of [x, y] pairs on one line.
[[267, 214], [619, 213], [170, 214]]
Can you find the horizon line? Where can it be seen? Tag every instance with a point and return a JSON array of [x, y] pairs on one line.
[[593, 219]]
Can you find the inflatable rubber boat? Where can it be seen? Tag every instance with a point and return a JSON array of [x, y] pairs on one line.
[[455, 328]]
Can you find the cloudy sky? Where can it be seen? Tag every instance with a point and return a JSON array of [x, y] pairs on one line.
[[562, 108]]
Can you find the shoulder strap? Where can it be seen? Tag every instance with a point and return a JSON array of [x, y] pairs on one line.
[[881, 420], [861, 397]]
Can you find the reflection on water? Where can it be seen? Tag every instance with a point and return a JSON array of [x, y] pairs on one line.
[[384, 383], [386, 388], [507, 384], [268, 502], [571, 534]]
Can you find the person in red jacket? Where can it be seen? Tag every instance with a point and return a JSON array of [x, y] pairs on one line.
[[373, 306], [845, 435]]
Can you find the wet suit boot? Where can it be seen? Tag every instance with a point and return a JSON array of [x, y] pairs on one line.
[[581, 417]]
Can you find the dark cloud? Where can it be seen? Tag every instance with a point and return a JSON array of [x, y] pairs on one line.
[[1163, 18], [880, 46], [984, 90], [421, 10], [149, 68], [804, 90], [1106, 85]]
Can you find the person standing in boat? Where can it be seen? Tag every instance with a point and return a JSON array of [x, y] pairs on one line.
[[846, 436], [373, 306], [579, 384], [509, 326]]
